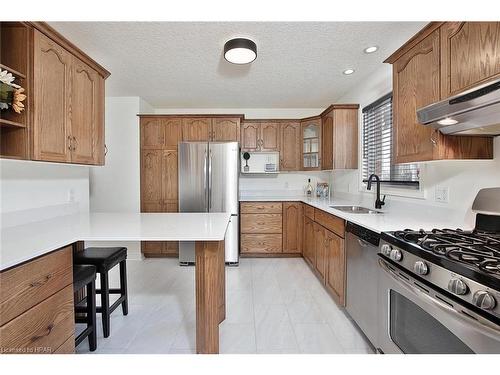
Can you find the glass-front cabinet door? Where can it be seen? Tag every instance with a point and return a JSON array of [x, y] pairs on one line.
[[311, 144]]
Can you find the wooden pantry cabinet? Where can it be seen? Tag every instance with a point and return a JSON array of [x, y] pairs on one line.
[[36, 305], [441, 60], [64, 116]]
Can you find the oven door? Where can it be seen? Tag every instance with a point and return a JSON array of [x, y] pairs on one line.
[[417, 319]]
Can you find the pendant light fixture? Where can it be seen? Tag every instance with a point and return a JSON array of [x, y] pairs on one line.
[[240, 51]]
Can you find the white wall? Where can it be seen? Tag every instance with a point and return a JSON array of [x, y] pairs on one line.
[[464, 178], [35, 190], [115, 187]]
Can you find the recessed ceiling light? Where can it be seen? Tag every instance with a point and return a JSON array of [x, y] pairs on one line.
[[371, 49], [240, 51], [447, 121], [348, 71]]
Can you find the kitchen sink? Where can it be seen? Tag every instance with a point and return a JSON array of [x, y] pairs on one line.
[[356, 210]]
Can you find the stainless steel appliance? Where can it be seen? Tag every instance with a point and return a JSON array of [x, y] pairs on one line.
[[362, 273], [439, 290], [473, 112], [208, 182]]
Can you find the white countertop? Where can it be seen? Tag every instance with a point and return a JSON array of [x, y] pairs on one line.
[[396, 215], [23, 242]]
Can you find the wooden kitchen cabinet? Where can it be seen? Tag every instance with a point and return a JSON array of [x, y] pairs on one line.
[[151, 176], [225, 130], [36, 305], [260, 135], [250, 136], [290, 146], [196, 129], [311, 143], [419, 70], [261, 228], [339, 137], [292, 227], [169, 176], [470, 55], [335, 267], [320, 250], [51, 91], [68, 105], [308, 246]]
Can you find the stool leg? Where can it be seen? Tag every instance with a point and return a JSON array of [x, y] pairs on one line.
[[105, 303], [91, 316], [123, 285]]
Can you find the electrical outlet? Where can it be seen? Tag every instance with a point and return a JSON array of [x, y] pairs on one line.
[[442, 194]]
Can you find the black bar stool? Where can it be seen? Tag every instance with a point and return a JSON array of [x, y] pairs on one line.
[[84, 276], [105, 258]]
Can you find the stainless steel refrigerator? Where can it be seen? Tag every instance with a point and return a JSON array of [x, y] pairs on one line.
[[208, 182]]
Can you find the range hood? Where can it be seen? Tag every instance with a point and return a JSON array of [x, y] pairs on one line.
[[473, 112]]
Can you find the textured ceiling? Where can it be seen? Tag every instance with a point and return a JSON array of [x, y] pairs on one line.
[[180, 65]]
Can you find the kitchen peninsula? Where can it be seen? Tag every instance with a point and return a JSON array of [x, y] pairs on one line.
[[26, 243]]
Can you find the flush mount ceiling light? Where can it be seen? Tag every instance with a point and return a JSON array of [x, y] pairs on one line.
[[447, 121], [240, 51], [371, 49], [348, 71]]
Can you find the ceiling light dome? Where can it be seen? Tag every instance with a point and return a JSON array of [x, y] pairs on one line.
[[240, 51], [348, 72], [371, 49]]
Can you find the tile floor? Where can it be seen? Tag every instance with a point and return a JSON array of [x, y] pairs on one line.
[[273, 306]]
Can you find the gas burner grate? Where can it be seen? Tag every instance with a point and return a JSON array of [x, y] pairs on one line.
[[476, 248]]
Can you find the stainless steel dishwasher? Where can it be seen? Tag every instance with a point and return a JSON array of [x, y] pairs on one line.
[[362, 275]]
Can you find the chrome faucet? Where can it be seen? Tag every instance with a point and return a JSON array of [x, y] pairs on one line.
[[378, 202]]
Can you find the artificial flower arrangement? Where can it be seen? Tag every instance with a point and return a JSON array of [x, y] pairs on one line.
[[11, 95]]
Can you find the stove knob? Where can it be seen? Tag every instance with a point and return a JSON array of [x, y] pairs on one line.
[[396, 255], [484, 300], [421, 268], [458, 287], [386, 249]]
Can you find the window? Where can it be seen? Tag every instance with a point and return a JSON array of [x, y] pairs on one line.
[[378, 148]]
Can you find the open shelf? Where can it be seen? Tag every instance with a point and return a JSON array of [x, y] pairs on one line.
[[4, 122], [14, 72]]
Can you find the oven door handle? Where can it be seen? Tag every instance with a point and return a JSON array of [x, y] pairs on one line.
[[485, 328]]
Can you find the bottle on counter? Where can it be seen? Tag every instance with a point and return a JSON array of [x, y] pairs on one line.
[[309, 189]]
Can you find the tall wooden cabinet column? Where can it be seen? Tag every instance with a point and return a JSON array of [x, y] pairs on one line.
[[159, 190]]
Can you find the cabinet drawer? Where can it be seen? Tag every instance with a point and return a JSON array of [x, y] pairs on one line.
[[330, 222], [25, 286], [261, 207], [41, 329], [261, 223], [309, 211], [261, 243]]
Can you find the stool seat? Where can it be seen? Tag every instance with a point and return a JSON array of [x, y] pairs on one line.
[[104, 258], [83, 274]]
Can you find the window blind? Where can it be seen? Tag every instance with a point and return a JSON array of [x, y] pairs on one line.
[[378, 147]]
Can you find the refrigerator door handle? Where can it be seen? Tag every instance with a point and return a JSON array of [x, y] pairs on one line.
[[210, 180]]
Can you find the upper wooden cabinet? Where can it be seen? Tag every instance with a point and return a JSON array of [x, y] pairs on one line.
[[339, 129], [257, 135], [225, 130], [160, 133], [311, 143], [66, 104], [470, 55], [196, 129], [290, 146], [428, 68]]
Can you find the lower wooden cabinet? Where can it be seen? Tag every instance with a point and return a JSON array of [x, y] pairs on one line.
[[36, 306], [308, 245], [160, 249], [261, 243], [261, 228], [335, 267], [320, 249], [292, 227]]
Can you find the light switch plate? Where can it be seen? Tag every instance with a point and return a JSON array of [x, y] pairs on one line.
[[442, 194]]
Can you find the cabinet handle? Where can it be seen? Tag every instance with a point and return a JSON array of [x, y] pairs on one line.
[[105, 150], [75, 144], [69, 143]]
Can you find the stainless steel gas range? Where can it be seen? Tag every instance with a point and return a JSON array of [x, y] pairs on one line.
[[439, 290]]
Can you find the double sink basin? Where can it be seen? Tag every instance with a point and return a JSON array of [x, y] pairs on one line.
[[357, 210]]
